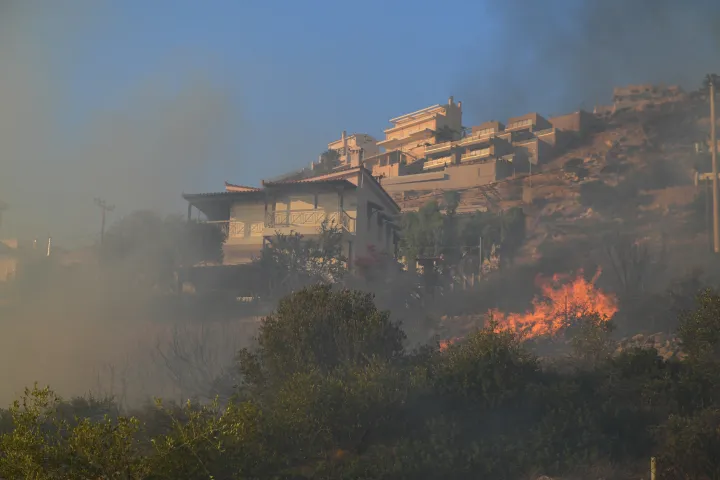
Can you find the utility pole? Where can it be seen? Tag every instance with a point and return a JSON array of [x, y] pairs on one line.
[[707, 216], [480, 256], [105, 208], [713, 148]]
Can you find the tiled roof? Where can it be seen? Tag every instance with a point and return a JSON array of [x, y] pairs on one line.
[[324, 181], [336, 177], [190, 196], [230, 187]]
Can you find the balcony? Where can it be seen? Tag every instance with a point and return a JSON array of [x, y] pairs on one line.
[[546, 131], [234, 229], [437, 162], [477, 138], [475, 155], [437, 148], [527, 123], [309, 218], [297, 219]]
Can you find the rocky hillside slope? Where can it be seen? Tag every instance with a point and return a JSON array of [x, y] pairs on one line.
[[635, 177]]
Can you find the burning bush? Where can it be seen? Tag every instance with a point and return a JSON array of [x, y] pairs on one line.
[[562, 302]]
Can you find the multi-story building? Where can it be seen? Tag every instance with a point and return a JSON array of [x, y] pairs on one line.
[[412, 133], [351, 199], [529, 138], [354, 148]]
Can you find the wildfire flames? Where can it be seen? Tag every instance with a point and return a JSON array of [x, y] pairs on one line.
[[562, 299], [444, 344]]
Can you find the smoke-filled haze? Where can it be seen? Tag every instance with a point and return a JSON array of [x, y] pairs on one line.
[[137, 146], [557, 56], [128, 102]]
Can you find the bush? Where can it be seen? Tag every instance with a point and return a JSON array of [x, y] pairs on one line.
[[333, 395], [699, 330], [689, 446], [590, 339], [320, 329], [488, 369]]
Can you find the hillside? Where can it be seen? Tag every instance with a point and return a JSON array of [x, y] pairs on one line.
[[635, 176]]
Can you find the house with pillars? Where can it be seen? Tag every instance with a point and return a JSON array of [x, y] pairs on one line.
[[351, 198]]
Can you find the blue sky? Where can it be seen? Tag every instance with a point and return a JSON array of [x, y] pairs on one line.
[[301, 72], [282, 79]]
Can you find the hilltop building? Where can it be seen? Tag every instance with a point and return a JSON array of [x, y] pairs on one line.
[[430, 149], [354, 148], [413, 132], [350, 198]]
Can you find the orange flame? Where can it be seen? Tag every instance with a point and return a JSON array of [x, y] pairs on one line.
[[559, 303], [445, 344]]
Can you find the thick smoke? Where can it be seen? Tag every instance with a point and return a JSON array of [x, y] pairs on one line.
[[560, 55], [65, 138], [59, 150]]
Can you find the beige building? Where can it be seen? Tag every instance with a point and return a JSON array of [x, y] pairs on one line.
[[413, 132], [351, 199], [354, 148], [529, 139]]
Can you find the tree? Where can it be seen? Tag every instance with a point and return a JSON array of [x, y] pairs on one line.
[[422, 231], [590, 339], [44, 444], [329, 159], [488, 368], [699, 330], [320, 329], [152, 248], [445, 134], [292, 261], [450, 238], [632, 262]]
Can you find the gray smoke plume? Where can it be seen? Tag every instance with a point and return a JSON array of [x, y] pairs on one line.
[[556, 56], [140, 151]]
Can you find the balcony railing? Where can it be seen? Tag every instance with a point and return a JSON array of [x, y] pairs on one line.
[[476, 138], [545, 131], [306, 218], [235, 229], [440, 147], [484, 152], [292, 218], [438, 162]]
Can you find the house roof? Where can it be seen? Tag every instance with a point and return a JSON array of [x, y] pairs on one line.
[[340, 182], [249, 192], [339, 175], [230, 187], [333, 179]]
